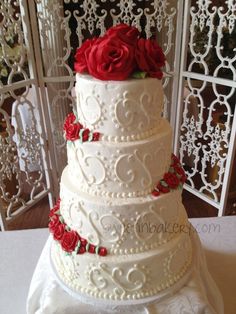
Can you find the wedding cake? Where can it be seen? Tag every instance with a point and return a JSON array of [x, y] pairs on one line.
[[120, 231]]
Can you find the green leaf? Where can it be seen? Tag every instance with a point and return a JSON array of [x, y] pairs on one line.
[[67, 228], [139, 75], [163, 183]]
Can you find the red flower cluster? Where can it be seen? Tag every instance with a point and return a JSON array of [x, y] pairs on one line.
[[118, 54], [75, 130], [172, 179], [70, 240]]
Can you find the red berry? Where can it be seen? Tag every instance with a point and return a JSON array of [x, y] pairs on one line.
[[155, 192], [96, 136], [102, 251], [82, 250], [83, 241], [92, 248]]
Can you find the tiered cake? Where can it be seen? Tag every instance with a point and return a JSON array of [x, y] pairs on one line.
[[120, 229]]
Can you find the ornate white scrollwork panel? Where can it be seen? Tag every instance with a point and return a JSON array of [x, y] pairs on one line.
[[22, 170], [205, 135], [9, 169], [212, 39], [24, 178], [13, 58], [206, 141]]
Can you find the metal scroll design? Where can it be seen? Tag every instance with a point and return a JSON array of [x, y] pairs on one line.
[[13, 60], [22, 146], [210, 100], [21, 150]]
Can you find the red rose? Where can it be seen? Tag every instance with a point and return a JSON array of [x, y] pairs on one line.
[[59, 232], [72, 132], [183, 178], [70, 119], [85, 135], [111, 59], [71, 128], [171, 179], [174, 160], [125, 33], [80, 64], [150, 57], [54, 223], [180, 171], [162, 188], [54, 211], [69, 241]]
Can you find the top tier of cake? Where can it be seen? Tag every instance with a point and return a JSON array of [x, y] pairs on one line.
[[121, 111]]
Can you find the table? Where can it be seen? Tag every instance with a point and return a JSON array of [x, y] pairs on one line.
[[19, 253], [20, 250]]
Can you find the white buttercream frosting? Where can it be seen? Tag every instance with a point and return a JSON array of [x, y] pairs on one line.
[[127, 169], [128, 276], [120, 111], [106, 195], [128, 225]]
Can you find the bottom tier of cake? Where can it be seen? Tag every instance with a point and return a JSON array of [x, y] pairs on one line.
[[124, 277]]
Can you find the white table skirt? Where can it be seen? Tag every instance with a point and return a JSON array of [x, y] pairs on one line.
[[20, 251]]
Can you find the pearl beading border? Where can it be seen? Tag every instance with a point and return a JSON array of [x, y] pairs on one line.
[[130, 138], [92, 192]]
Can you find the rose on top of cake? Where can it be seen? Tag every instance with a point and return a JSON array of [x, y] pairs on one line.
[[119, 54]]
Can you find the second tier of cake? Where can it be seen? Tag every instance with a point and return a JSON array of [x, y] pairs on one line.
[[125, 169]]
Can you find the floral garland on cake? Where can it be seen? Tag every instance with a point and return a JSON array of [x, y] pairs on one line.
[[172, 180], [74, 130], [119, 54], [70, 240]]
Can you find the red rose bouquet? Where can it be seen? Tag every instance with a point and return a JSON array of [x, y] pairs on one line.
[[119, 54]]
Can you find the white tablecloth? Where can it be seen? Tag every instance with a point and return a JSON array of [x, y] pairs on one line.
[[20, 250], [19, 254]]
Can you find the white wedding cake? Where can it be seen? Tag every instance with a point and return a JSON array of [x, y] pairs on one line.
[[120, 229]]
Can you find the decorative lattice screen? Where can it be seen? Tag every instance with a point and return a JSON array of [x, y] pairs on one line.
[[207, 119]]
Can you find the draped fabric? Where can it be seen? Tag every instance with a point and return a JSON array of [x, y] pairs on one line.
[[198, 295]]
